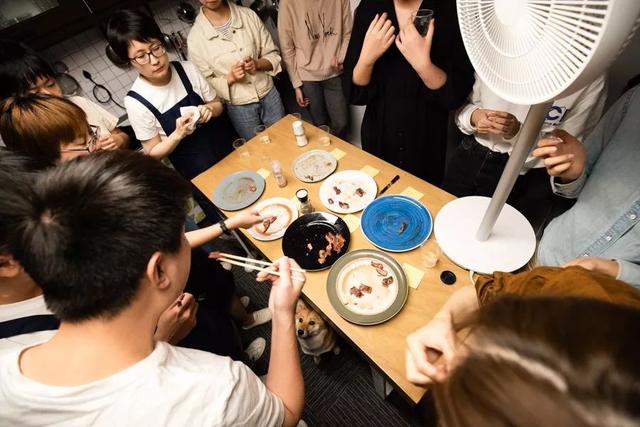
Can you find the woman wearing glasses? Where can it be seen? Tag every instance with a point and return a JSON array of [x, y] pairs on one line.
[[155, 104], [46, 128]]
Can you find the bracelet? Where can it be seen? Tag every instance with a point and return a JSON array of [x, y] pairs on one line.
[[224, 228]]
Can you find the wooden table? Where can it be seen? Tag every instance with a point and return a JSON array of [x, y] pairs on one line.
[[382, 345]]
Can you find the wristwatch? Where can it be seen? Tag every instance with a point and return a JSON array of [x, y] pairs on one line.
[[224, 228]]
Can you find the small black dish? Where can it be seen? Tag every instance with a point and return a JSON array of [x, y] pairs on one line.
[[448, 277], [309, 231]]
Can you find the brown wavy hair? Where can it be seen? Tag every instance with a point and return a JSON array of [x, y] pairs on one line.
[[36, 125], [546, 362]]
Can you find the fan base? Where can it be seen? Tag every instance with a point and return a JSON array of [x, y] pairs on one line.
[[510, 245]]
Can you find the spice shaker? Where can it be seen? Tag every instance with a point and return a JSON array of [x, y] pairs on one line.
[[276, 168], [303, 198], [298, 131]]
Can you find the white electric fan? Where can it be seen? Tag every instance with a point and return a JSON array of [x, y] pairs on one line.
[[528, 52]]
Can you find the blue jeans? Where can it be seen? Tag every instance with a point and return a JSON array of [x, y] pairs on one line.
[[246, 118]]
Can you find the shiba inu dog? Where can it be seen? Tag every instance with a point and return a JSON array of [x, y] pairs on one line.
[[314, 335]]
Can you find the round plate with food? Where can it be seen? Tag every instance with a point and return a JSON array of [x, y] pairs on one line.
[[278, 213], [314, 166], [367, 287], [238, 191], [348, 191], [396, 223], [316, 240]]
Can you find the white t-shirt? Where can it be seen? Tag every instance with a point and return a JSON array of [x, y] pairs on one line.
[[23, 310], [96, 115], [173, 386], [144, 123]]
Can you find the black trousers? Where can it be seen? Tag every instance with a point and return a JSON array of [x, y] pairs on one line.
[[474, 170]]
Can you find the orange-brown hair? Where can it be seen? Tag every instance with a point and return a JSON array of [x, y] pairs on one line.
[[36, 125], [546, 362]]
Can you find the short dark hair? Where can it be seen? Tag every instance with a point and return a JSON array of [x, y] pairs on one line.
[[20, 69], [37, 124], [125, 26], [91, 227], [16, 175], [549, 360]]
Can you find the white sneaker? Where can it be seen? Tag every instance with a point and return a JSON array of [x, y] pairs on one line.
[[255, 350], [260, 317], [245, 301]]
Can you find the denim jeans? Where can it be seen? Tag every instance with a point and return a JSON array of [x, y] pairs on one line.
[[246, 118], [327, 104]]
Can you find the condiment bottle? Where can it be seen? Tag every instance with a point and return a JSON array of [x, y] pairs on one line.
[[298, 131], [303, 198], [276, 168]]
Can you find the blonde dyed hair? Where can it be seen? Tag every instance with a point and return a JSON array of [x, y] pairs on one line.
[[37, 125]]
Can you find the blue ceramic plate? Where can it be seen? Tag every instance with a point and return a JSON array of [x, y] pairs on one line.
[[238, 191], [396, 223]]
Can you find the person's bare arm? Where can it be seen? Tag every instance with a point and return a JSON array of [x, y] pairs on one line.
[[244, 219], [160, 148], [284, 378]]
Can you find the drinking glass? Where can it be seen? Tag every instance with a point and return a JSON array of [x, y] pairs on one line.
[[240, 145], [421, 19], [262, 134], [325, 135], [430, 257]]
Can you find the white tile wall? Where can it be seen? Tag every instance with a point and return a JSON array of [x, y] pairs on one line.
[[85, 51]]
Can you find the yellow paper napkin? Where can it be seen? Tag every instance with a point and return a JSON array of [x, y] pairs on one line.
[[338, 153], [414, 275], [412, 192], [353, 222], [370, 170], [263, 173]]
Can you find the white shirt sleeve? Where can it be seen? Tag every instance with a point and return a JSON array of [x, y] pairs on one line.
[[463, 117], [96, 115], [142, 120], [200, 85], [250, 403], [587, 110]]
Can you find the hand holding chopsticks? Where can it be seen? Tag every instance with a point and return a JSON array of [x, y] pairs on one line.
[[253, 264]]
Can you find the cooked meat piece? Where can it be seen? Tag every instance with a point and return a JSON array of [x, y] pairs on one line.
[[337, 190], [330, 201], [309, 246], [359, 192], [365, 288], [387, 281], [343, 205], [403, 226], [338, 243], [356, 292], [267, 222], [310, 178], [322, 256], [252, 188], [379, 268]]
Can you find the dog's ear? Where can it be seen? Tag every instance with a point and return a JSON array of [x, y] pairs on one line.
[[300, 305]]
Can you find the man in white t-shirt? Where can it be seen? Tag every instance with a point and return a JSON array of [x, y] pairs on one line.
[[108, 248]]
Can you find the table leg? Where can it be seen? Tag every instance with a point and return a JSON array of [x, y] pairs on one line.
[[383, 388]]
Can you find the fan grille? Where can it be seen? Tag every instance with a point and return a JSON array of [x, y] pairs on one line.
[[535, 49]]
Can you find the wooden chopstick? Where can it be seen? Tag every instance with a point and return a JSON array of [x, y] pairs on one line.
[[250, 266], [256, 261]]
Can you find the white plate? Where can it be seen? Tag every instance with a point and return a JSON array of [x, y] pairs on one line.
[[346, 183], [314, 166], [286, 212]]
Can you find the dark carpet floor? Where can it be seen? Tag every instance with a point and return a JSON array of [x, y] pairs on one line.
[[339, 392]]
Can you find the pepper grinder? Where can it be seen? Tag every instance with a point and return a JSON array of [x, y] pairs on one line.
[[298, 131]]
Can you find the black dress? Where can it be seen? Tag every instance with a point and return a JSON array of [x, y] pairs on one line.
[[405, 122]]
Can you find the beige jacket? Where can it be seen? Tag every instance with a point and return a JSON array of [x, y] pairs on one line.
[[215, 54], [312, 33]]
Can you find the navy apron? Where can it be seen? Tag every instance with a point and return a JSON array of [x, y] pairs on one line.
[[202, 149]]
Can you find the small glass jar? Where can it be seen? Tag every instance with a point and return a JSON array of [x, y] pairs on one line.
[[298, 131], [303, 199], [276, 168]]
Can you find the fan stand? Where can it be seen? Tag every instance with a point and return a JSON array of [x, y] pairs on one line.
[[486, 235]]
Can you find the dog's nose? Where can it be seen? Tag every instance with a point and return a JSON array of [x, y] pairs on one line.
[[300, 332]]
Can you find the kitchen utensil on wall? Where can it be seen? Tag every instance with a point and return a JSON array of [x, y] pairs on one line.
[[100, 92], [67, 82], [186, 12]]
